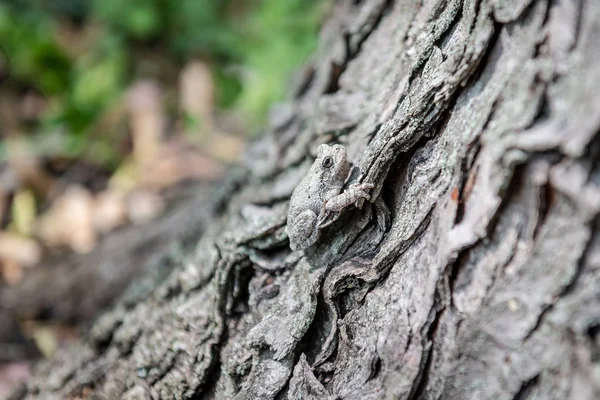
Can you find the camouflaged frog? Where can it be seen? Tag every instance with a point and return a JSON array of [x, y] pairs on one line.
[[319, 195]]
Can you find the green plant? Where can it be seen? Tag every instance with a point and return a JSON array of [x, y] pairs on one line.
[[252, 47]]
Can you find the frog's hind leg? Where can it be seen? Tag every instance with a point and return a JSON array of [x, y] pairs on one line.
[[303, 230]]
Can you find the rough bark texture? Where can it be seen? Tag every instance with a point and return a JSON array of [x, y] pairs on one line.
[[473, 272]]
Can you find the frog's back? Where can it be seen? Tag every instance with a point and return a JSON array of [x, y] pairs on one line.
[[307, 196]]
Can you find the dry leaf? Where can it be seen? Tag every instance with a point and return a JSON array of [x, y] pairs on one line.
[[20, 249], [225, 146], [178, 161], [109, 211], [198, 166], [69, 221], [143, 206], [164, 172], [12, 272]]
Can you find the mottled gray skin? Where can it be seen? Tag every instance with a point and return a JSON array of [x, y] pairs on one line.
[[320, 194]]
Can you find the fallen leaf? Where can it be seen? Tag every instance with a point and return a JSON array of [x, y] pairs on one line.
[[144, 205], [198, 166], [69, 221], [109, 211], [12, 272], [20, 249], [225, 146], [178, 161]]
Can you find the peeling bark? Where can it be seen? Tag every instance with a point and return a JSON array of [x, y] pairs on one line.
[[472, 273]]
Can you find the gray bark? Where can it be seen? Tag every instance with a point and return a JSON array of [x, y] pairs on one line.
[[473, 272]]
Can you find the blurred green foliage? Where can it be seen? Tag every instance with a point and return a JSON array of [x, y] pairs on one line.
[[32, 53], [252, 47]]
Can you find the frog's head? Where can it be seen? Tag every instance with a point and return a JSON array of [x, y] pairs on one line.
[[332, 162]]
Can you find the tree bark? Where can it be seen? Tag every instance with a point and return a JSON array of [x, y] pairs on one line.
[[472, 273]]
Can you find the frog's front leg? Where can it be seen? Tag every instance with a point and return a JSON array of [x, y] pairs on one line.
[[350, 196]]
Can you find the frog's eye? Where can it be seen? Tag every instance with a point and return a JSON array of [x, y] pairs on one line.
[[327, 162]]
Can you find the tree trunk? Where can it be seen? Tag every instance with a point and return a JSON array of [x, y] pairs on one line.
[[472, 273]]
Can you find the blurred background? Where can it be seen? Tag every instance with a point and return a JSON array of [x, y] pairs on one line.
[[107, 107]]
